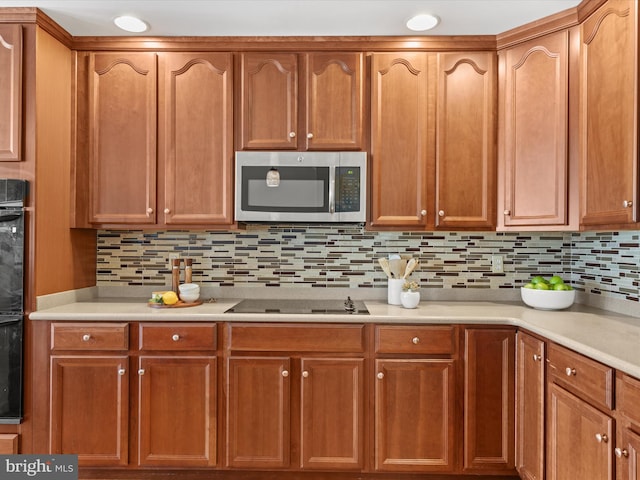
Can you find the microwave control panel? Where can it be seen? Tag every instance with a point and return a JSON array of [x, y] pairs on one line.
[[348, 189]]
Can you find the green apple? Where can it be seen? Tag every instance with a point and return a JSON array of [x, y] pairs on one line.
[[538, 279], [556, 280], [529, 285], [542, 286]]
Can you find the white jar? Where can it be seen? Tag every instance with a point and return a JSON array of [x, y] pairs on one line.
[[410, 299], [394, 289]]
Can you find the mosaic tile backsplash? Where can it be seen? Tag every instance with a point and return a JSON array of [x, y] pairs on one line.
[[327, 256]]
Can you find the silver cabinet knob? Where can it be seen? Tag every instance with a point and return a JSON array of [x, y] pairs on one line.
[[309, 135], [166, 210], [285, 373], [570, 371], [175, 337], [621, 452], [536, 357], [507, 212], [627, 204], [415, 340], [423, 213], [121, 371], [380, 375], [149, 211], [602, 437], [305, 374], [441, 213], [141, 371], [86, 337], [292, 134]]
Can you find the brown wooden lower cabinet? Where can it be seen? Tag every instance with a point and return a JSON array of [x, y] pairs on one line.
[[627, 455], [90, 408], [489, 400], [258, 417], [261, 406], [177, 411], [627, 449], [580, 438], [415, 415], [332, 413], [348, 401], [530, 397]]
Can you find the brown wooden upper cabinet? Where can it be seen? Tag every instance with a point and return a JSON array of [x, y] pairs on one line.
[[157, 139], [292, 101], [402, 190], [196, 138], [466, 141], [122, 138], [10, 92], [433, 140], [608, 115], [534, 155]]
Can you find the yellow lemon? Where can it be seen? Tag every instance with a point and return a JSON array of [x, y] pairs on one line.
[[169, 298]]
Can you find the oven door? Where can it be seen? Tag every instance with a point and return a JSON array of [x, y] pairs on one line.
[[10, 369], [11, 260]]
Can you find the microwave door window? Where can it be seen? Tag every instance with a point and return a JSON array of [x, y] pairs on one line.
[[300, 189]]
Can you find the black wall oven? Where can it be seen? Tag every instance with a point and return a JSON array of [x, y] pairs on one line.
[[12, 196]]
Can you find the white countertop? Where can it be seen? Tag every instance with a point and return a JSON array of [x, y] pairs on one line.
[[610, 338]]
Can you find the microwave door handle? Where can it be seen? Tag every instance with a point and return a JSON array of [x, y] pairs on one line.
[[332, 191]]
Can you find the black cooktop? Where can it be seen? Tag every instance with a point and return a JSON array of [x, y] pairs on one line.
[[299, 306]]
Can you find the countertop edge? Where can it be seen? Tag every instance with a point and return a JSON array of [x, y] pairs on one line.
[[609, 338]]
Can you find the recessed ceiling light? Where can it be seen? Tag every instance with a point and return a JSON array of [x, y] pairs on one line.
[[423, 22], [130, 24]]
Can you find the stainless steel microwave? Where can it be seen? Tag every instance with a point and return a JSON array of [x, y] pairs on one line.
[[300, 186]]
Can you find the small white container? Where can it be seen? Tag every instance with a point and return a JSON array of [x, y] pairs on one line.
[[410, 299], [394, 289], [189, 292]]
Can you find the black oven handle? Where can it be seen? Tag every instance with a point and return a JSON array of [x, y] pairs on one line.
[[9, 216], [10, 320]]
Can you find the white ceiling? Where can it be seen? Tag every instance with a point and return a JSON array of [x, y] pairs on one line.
[[292, 17]]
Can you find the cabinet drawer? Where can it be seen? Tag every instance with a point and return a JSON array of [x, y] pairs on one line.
[[628, 397], [297, 338], [416, 339], [177, 336], [581, 375], [89, 336]]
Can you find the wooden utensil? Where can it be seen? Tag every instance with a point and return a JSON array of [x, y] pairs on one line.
[[397, 267], [411, 264], [384, 263]]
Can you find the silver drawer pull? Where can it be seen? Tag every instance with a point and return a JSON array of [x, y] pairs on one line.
[[141, 371], [86, 337], [175, 337], [415, 340], [570, 371], [536, 357], [121, 371], [305, 374], [285, 373], [380, 375]]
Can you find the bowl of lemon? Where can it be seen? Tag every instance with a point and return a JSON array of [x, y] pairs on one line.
[[548, 293]]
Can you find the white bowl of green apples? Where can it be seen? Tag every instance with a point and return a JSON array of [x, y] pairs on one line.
[[548, 293]]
